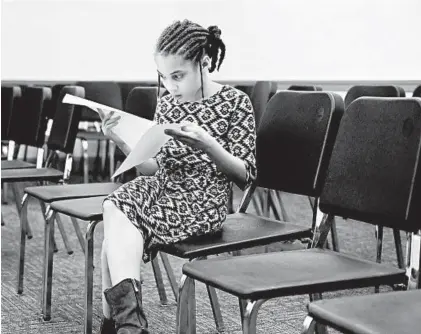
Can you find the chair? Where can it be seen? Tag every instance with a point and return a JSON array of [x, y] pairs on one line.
[[30, 132], [417, 91], [386, 313], [378, 91], [107, 93], [374, 176], [28, 106], [242, 230], [305, 88]]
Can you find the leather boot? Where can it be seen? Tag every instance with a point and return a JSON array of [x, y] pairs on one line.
[[107, 326], [125, 300]]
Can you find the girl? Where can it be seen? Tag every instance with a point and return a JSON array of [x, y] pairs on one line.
[[183, 191]]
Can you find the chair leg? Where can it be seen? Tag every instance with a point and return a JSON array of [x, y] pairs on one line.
[[78, 233], [309, 326], [159, 281], [63, 235], [4, 194], [19, 208], [170, 274], [48, 265], [186, 307], [278, 200], [23, 226], [89, 275], [216, 309], [2, 220], [85, 161], [398, 246], [335, 239], [250, 316], [379, 249], [242, 303]]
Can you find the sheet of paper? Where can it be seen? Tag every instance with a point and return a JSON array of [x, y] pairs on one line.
[[129, 128], [147, 147]]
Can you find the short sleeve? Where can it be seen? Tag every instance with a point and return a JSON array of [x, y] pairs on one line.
[[242, 137]]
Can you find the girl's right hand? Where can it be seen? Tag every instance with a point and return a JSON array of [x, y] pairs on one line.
[[108, 123]]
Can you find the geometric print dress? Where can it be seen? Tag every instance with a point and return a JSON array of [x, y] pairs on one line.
[[188, 196]]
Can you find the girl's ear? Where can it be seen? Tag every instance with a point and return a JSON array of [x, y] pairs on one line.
[[205, 61]]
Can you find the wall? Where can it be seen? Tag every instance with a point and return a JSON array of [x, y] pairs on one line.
[[296, 40]]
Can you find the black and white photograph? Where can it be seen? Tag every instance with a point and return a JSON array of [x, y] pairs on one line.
[[210, 166]]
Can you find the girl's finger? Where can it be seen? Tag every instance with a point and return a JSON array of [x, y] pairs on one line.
[[108, 124]]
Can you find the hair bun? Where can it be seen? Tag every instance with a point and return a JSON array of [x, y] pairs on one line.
[[215, 31]]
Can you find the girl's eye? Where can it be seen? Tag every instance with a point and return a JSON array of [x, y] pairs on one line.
[[178, 77]]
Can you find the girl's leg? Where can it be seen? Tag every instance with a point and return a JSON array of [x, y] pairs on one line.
[[124, 246]]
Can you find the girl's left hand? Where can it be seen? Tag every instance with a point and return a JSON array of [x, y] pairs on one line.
[[194, 136]]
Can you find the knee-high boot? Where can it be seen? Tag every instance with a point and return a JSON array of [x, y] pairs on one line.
[[125, 300]]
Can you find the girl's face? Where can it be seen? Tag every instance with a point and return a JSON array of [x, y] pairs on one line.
[[179, 76]]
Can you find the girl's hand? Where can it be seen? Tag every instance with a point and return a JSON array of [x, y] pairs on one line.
[[194, 136], [108, 122]]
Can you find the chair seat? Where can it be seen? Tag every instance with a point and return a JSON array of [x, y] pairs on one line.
[[31, 174], [53, 193], [82, 208], [386, 313], [280, 274], [91, 135], [240, 230], [16, 164]]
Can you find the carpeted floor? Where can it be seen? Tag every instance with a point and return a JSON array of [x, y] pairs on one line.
[[21, 313]]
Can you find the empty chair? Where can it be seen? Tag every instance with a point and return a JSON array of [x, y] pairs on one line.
[[307, 88], [417, 91], [8, 99], [374, 176], [141, 102], [380, 91], [386, 313], [107, 93]]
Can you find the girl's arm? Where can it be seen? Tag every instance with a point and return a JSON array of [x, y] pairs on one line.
[[232, 166]]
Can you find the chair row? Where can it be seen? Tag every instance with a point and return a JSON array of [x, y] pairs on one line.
[[292, 126]]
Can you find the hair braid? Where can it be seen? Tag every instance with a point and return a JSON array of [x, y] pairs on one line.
[[192, 41]]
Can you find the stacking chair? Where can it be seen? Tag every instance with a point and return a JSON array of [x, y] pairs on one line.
[[379, 91], [314, 120], [305, 88], [374, 176], [417, 91], [25, 122], [26, 127], [386, 313], [107, 93]]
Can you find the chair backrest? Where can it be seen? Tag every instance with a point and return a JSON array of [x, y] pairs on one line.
[[8, 99], [374, 173], [28, 123], [417, 91], [295, 139], [126, 88], [65, 121], [50, 105], [259, 98], [107, 93], [273, 89], [305, 88], [377, 91], [142, 102]]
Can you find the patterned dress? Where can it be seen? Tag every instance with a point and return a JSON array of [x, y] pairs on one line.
[[188, 195]]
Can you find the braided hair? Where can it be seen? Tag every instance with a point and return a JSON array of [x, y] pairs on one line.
[[190, 40]]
